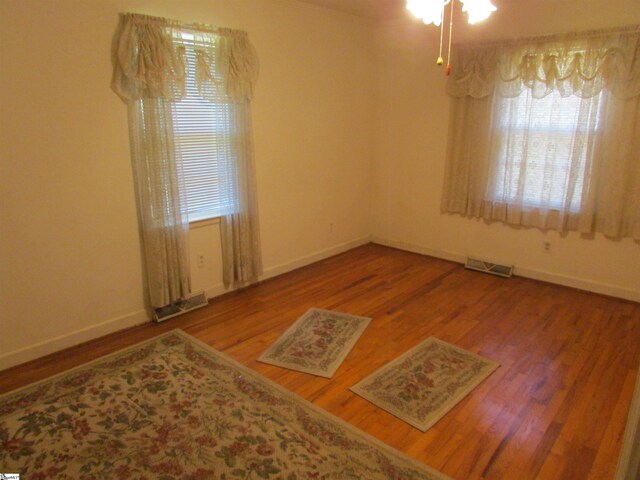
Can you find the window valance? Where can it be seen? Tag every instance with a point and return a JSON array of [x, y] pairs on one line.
[[149, 60], [572, 64]]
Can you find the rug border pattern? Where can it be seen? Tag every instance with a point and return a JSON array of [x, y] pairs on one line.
[[256, 376], [492, 365], [364, 323]]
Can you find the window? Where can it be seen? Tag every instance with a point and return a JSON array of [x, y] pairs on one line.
[[545, 132], [202, 139], [543, 149], [205, 137]]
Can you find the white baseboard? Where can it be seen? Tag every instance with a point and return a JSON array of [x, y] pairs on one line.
[[551, 277], [77, 337], [314, 257], [579, 283], [411, 247], [45, 347], [217, 290]]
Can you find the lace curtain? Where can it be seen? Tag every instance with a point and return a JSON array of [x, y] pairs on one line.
[[161, 204], [149, 75], [149, 63], [545, 132]]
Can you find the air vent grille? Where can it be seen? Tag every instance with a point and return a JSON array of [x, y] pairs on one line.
[[488, 267], [195, 301]]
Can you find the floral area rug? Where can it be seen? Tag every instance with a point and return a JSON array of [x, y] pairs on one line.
[[423, 384], [174, 408], [317, 342]]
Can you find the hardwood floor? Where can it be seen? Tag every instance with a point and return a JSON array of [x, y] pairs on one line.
[[555, 409]]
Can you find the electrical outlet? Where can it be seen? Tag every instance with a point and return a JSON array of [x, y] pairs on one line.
[[201, 260], [547, 247]]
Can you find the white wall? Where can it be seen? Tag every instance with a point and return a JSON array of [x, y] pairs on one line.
[[70, 263], [336, 144], [411, 134]]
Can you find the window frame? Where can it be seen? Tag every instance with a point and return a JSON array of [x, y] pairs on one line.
[[501, 160], [187, 41]]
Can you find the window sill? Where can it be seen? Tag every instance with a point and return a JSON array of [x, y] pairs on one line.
[[205, 223]]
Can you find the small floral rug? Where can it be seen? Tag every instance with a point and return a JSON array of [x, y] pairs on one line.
[[423, 384], [317, 342], [174, 408]]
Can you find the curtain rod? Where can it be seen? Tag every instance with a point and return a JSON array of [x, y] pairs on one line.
[[553, 36], [194, 27]]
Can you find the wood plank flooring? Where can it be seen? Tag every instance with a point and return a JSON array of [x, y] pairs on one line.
[[555, 409]]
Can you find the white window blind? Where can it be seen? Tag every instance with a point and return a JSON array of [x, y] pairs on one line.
[[202, 139]]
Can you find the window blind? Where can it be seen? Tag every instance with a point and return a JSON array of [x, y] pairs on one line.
[[202, 139]]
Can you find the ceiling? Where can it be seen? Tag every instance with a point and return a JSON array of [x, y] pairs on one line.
[[372, 9], [384, 9]]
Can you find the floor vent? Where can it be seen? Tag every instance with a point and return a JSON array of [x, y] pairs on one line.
[[488, 267], [196, 300]]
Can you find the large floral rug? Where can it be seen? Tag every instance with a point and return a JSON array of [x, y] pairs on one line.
[[317, 342], [174, 408], [423, 384]]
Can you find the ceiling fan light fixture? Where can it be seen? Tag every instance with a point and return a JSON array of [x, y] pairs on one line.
[[432, 11], [429, 11], [477, 10]]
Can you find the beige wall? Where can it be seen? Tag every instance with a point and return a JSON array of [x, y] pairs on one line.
[[411, 134], [69, 245], [350, 125]]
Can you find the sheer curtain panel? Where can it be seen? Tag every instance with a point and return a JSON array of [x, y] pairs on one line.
[[150, 69], [545, 132], [162, 207], [230, 78]]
